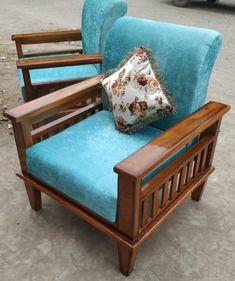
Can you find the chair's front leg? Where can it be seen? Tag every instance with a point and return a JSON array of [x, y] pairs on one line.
[[128, 220], [35, 198], [127, 257], [197, 193]]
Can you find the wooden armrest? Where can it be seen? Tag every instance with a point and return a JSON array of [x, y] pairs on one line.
[[140, 163], [48, 37], [48, 105], [59, 61]]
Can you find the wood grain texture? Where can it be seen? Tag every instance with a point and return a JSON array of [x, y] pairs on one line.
[[145, 159], [46, 106], [142, 208], [58, 61], [48, 37]]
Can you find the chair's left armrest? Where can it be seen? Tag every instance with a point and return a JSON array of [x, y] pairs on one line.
[[158, 150], [58, 61], [57, 101]]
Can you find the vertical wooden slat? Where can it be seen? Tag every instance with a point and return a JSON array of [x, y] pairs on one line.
[[19, 50], [164, 195], [145, 211], [189, 172], [203, 162], [28, 84], [155, 203], [198, 159], [182, 178], [173, 187]]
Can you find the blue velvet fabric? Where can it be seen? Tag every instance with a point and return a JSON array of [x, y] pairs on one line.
[[79, 161], [58, 73], [97, 18], [185, 55]]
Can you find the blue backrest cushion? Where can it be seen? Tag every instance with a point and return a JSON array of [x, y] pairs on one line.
[[185, 55], [97, 18]]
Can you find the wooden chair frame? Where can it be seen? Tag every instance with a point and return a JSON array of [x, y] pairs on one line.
[[149, 204], [26, 62]]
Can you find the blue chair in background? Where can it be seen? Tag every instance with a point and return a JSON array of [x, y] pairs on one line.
[[126, 185], [42, 73]]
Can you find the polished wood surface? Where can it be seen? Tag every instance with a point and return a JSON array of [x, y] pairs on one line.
[[58, 61], [48, 105], [48, 37], [143, 161], [33, 91], [142, 207]]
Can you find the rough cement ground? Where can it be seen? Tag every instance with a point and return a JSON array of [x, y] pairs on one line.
[[196, 243]]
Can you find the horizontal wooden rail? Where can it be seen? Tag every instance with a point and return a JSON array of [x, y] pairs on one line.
[[65, 120], [48, 37], [58, 61], [46, 106], [77, 210]]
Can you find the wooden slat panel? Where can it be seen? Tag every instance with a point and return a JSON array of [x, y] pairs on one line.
[[59, 123], [172, 169]]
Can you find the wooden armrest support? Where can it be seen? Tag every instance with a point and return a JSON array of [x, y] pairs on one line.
[[59, 61], [48, 37], [48, 105], [140, 163]]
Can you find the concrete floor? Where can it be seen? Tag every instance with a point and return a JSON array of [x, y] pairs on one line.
[[196, 243]]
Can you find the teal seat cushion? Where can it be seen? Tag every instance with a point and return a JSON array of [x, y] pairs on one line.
[[79, 161], [58, 73]]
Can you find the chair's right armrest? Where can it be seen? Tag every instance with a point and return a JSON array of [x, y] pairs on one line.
[[48, 37], [143, 161], [45, 37], [58, 61]]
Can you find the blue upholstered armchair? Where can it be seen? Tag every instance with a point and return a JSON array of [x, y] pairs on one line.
[[43, 73], [126, 185]]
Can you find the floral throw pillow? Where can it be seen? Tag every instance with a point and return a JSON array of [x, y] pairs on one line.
[[137, 92]]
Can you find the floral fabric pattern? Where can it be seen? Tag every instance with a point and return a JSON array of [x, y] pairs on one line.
[[137, 93]]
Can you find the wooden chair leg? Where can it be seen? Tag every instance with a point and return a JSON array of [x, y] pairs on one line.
[[35, 198], [127, 257], [197, 193]]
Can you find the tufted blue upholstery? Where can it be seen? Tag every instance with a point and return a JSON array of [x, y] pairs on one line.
[[186, 56], [79, 161], [97, 18]]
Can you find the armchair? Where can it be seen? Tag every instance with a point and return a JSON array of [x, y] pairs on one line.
[[129, 186], [43, 73]]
